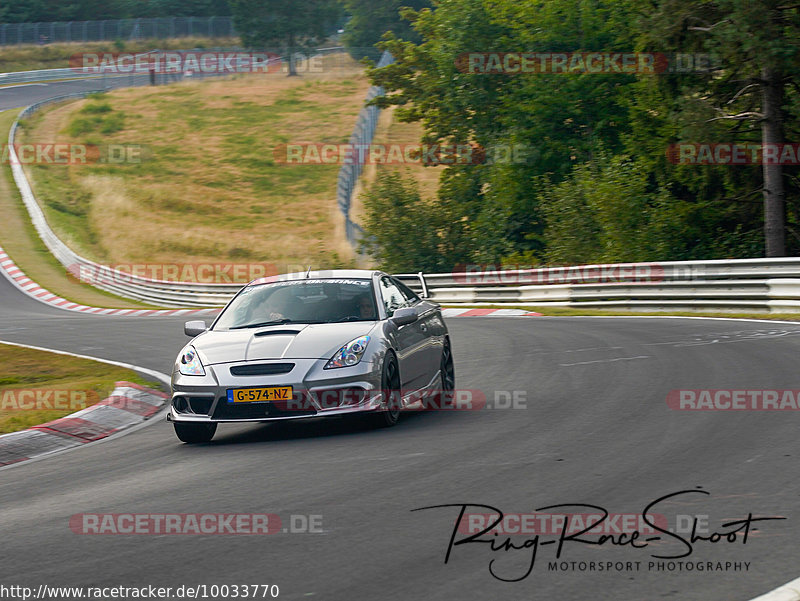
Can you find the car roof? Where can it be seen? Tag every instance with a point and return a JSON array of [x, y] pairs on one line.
[[326, 274]]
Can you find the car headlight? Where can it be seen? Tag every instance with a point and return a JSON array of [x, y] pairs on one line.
[[349, 354], [189, 363]]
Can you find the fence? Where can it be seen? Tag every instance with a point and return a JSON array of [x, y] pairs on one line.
[[120, 29], [349, 173]]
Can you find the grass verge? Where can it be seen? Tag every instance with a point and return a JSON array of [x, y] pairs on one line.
[[20, 240], [65, 385], [210, 187]]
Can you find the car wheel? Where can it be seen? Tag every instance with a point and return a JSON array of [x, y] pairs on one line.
[[390, 385], [194, 433], [448, 375], [443, 397]]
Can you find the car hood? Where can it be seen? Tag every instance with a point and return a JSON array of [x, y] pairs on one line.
[[289, 341]]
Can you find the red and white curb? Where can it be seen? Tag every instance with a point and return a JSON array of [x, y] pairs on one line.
[[17, 277], [489, 313], [129, 405]]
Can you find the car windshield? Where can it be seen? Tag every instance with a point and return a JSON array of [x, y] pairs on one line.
[[300, 301]]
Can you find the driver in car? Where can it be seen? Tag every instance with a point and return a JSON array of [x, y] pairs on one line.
[[366, 308], [277, 306]]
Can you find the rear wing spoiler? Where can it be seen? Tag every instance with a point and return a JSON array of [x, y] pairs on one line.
[[424, 284], [415, 281]]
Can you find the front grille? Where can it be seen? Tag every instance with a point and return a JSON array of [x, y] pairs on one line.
[[226, 410], [262, 369]]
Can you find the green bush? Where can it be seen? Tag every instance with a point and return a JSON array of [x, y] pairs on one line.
[[96, 116], [405, 232], [94, 109]]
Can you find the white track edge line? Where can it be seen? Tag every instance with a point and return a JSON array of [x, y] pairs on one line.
[[788, 592]]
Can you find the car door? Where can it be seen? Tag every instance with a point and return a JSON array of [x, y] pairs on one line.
[[430, 327], [409, 339]]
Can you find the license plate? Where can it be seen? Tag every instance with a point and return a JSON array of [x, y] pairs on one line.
[[260, 395]]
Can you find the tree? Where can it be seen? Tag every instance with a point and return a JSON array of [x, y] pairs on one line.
[[370, 19], [300, 24], [182, 8], [29, 11], [584, 129], [557, 119], [408, 233], [33, 11], [756, 59], [609, 210]]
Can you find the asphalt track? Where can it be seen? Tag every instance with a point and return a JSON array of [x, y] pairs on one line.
[[595, 429], [27, 94]]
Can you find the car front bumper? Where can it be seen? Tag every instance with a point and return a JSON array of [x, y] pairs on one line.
[[317, 392]]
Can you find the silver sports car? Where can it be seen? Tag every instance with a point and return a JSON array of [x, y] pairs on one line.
[[299, 346]]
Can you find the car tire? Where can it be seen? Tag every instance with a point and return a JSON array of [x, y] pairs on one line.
[[195, 433], [448, 376], [390, 385], [442, 398]]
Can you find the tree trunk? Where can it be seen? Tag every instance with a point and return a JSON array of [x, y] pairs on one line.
[[290, 50], [774, 192]]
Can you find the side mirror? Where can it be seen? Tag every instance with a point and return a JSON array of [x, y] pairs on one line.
[[194, 328], [404, 316]]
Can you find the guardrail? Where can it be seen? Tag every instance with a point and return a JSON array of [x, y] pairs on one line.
[[103, 81], [759, 285], [107, 76], [711, 269], [40, 75]]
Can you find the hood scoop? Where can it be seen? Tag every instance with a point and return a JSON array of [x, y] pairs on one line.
[[276, 333]]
